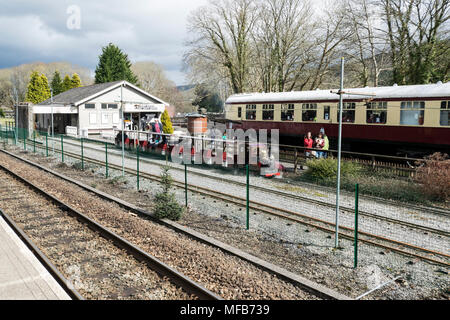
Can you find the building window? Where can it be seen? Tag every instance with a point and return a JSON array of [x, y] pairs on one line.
[[348, 112], [309, 112], [104, 106], [377, 112], [268, 111], [287, 112], [113, 106], [89, 106], [412, 113], [239, 112], [251, 112], [445, 113], [326, 112]]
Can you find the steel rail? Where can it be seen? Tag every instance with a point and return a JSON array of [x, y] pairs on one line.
[[155, 264], [48, 265], [429, 209], [323, 292], [274, 211], [291, 196]]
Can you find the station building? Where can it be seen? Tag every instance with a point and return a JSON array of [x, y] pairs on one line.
[[92, 110]]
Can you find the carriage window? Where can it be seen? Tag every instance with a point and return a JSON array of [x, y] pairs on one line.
[[239, 112], [268, 111], [309, 112], [412, 113], [348, 112], [287, 112], [89, 106], [251, 112], [445, 113], [377, 112], [104, 106], [113, 106], [326, 113]]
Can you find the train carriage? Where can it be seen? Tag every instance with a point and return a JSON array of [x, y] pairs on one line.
[[389, 119]]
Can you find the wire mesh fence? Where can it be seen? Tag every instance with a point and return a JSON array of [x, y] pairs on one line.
[[300, 214]]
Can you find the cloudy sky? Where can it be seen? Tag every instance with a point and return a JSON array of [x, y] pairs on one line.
[[47, 31]]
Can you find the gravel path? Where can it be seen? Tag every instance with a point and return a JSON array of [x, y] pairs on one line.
[[223, 274]]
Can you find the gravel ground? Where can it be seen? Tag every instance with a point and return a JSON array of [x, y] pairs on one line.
[[301, 250], [97, 269], [226, 275], [378, 227]]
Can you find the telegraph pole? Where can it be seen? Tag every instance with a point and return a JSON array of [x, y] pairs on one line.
[[338, 189], [341, 93], [123, 131], [53, 130], [16, 118]]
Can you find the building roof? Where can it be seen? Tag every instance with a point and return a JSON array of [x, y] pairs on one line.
[[81, 95], [438, 90]]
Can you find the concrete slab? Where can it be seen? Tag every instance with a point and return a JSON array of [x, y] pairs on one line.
[[22, 276]]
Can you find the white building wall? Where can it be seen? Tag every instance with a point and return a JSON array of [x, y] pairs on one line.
[[101, 119]]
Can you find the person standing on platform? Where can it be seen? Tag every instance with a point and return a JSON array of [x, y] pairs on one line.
[[326, 146], [308, 144]]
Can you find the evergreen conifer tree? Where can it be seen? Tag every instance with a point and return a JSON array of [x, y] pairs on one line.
[[57, 84], [75, 81], [67, 83], [114, 65], [38, 89], [166, 122]]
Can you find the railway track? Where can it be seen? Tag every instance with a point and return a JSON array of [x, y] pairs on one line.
[[106, 265], [428, 209], [345, 232]]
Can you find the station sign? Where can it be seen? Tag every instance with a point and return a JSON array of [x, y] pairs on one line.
[[144, 107]]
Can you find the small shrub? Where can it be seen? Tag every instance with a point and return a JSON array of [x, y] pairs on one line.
[[326, 169], [78, 165], [2, 113], [165, 204], [434, 176], [117, 180]]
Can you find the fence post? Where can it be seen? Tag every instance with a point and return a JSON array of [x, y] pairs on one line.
[[356, 225], [137, 164], [106, 159], [34, 141], [82, 155], [46, 144], [24, 140], [62, 148], [185, 184], [248, 196]]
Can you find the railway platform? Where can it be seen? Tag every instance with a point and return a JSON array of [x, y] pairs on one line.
[[22, 276]]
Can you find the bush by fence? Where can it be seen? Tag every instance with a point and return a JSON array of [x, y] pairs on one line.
[[326, 169], [434, 176]]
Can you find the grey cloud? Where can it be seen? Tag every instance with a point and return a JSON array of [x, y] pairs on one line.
[[146, 30]]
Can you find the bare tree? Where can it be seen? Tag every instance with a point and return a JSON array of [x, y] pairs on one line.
[[417, 37], [152, 79], [222, 32], [282, 42], [367, 45]]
